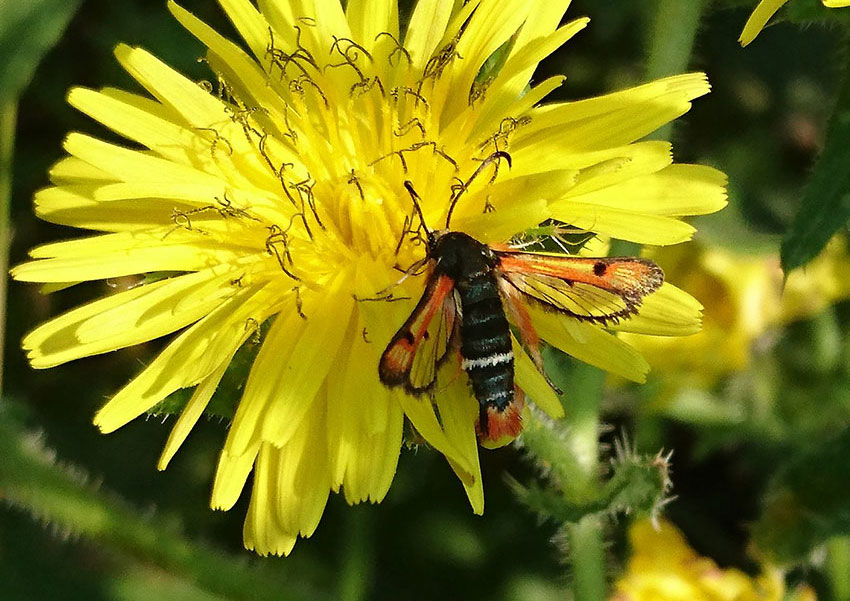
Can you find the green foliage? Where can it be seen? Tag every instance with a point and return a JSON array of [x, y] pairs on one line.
[[825, 207], [766, 446], [28, 29], [223, 402], [807, 501], [63, 497], [637, 484]]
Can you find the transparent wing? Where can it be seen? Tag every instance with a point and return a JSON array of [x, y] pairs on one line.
[[594, 289]]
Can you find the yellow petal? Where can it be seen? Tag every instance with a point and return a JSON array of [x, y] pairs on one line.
[[535, 386], [73, 170], [177, 92], [761, 15], [668, 311], [369, 18], [635, 226], [262, 532], [263, 382], [74, 204], [127, 318], [458, 412], [126, 253], [426, 28], [303, 478], [611, 120], [250, 24], [314, 353], [590, 344], [517, 71], [675, 191], [195, 408], [489, 27], [230, 476], [183, 363], [500, 225]]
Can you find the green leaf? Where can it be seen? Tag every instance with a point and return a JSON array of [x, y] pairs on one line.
[[223, 403], [28, 29], [808, 501], [825, 207], [63, 497]]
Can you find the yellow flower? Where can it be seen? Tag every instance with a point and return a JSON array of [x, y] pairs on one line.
[[766, 9], [745, 297], [277, 193], [662, 567]]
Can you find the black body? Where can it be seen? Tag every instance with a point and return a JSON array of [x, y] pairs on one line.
[[484, 331]]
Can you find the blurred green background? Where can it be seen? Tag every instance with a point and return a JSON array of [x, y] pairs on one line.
[[763, 125]]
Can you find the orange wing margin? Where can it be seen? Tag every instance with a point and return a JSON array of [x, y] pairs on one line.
[[596, 289], [413, 355]]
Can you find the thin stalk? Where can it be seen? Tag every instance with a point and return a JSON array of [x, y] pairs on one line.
[[586, 537], [584, 384], [356, 572], [670, 42], [32, 480], [586, 546], [8, 119], [838, 567]]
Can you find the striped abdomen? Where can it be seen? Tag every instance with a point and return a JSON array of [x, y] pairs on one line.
[[486, 342]]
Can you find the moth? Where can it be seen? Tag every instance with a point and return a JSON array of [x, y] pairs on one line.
[[474, 291]]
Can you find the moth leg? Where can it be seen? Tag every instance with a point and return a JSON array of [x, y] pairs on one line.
[[519, 316]]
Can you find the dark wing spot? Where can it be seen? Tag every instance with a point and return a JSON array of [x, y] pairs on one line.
[[408, 337], [599, 268], [426, 334]]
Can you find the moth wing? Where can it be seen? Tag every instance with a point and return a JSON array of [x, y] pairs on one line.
[[592, 289], [414, 354]]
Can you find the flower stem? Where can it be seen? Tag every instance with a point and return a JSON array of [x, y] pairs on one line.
[[584, 384], [8, 119], [588, 559], [669, 47], [31, 479], [356, 571], [838, 567], [585, 536]]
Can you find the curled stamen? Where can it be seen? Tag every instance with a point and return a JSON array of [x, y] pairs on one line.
[[436, 64], [493, 159], [216, 140], [399, 48], [396, 92], [354, 180], [252, 325], [277, 170], [507, 127], [350, 55], [297, 86], [181, 219], [278, 236], [305, 188], [282, 60], [417, 146], [206, 86], [299, 305], [365, 85], [228, 210], [403, 130]]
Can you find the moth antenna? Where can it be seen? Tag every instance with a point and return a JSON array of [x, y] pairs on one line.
[[415, 197], [493, 158]]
